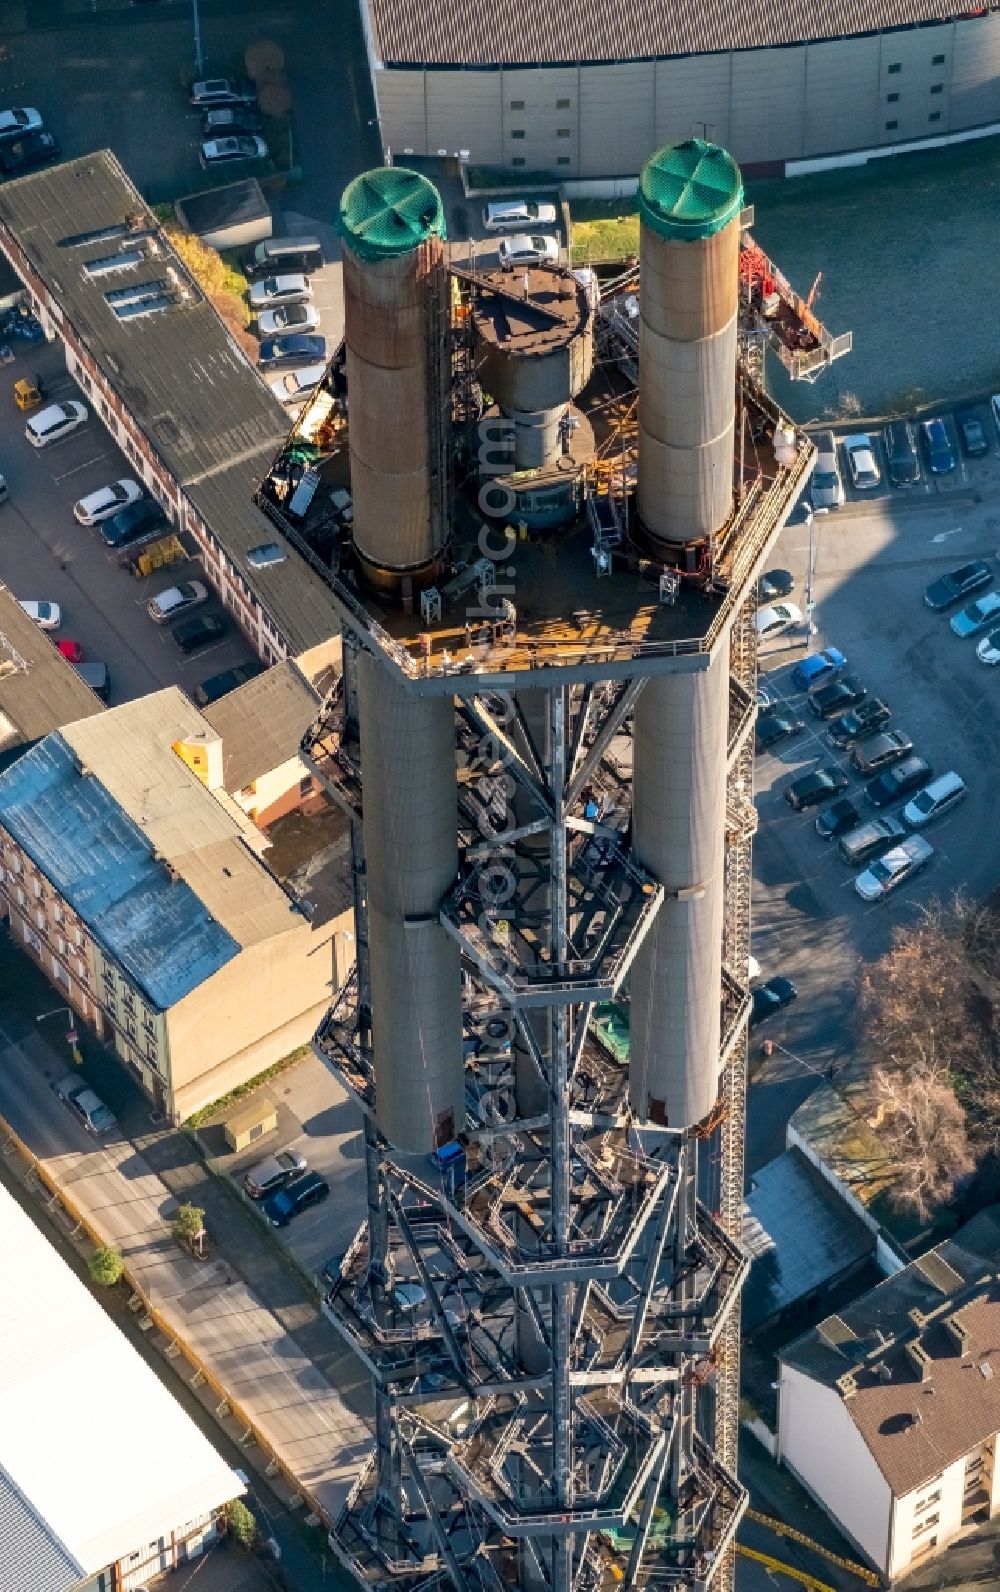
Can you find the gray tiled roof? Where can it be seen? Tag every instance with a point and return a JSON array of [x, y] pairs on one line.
[[32, 1559], [509, 32]]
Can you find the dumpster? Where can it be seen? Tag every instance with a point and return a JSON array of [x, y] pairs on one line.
[[145, 557]]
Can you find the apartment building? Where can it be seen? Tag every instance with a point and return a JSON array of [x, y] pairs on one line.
[[889, 1413], [142, 890], [261, 726]]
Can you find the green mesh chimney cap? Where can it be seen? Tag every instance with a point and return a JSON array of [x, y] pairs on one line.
[[690, 190], [389, 211]]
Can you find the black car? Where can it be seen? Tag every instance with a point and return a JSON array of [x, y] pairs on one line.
[[200, 632], [937, 446], [231, 119], [898, 781], [972, 434], [34, 149], [219, 685], [770, 998], [838, 819], [881, 751], [901, 453], [774, 583], [814, 788], [958, 583], [774, 726], [294, 1198], [132, 522], [293, 348], [836, 697], [869, 716]]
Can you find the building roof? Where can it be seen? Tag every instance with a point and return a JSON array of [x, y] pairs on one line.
[[214, 424], [800, 1235], [262, 723], [508, 32], [39, 690], [70, 1505], [942, 1312], [230, 206]]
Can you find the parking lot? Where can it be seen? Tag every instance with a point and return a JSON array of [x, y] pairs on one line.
[[969, 475], [45, 554], [872, 563]]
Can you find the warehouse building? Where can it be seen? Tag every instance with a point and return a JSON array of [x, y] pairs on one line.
[[584, 91], [86, 1502]]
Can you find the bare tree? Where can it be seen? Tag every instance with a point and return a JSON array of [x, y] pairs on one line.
[[923, 1127]]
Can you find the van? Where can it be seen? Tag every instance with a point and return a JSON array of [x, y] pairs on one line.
[[518, 215], [871, 837], [281, 256], [940, 796], [96, 676], [901, 453]]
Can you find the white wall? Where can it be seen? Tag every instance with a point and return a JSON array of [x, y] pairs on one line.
[[819, 1442], [948, 1508]]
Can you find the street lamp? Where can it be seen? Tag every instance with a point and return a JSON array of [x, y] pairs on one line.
[[199, 60], [810, 514], [71, 1033]]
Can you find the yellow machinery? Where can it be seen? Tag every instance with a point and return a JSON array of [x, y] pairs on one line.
[[28, 392]]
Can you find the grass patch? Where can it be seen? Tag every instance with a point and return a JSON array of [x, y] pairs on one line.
[[604, 229], [502, 177], [242, 1090]]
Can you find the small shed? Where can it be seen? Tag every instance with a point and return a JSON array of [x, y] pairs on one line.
[[227, 218], [250, 1121]]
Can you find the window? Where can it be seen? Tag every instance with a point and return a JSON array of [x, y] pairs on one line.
[[57, 912], [518, 160], [925, 1503], [60, 972], [562, 104], [937, 88], [935, 116], [892, 98], [78, 936], [563, 160], [37, 887], [151, 1049], [82, 377], [890, 127], [937, 60], [564, 132], [61, 943], [30, 937], [894, 68], [517, 105], [249, 790], [517, 132], [40, 920], [306, 785], [21, 898], [925, 1525], [131, 1030]]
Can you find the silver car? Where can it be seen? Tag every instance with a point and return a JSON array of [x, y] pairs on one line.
[[272, 290], [894, 868], [825, 486], [273, 1173]]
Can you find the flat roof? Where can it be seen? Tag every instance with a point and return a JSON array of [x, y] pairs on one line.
[[39, 690], [231, 206], [510, 33], [73, 1500], [213, 422]]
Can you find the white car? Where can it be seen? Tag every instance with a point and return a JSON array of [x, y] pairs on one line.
[[988, 650], [54, 423], [47, 616], [107, 500], [940, 796], [898, 865], [20, 119], [513, 215], [861, 462], [772, 621], [296, 385], [88, 1107], [288, 318], [524, 250], [176, 600], [272, 290], [239, 146]]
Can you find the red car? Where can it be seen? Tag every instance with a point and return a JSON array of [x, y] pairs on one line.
[[71, 651]]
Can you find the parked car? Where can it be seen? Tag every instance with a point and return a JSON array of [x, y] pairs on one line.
[[272, 290], [881, 751], [222, 91], [86, 1105], [23, 154], [901, 456], [773, 727], [47, 616], [107, 500], [273, 1173], [937, 446], [296, 385], [288, 318], [972, 434], [332, 1269], [865, 473], [290, 1201], [870, 839], [894, 868], [838, 819], [769, 998], [772, 621], [969, 621], [133, 522], [266, 555], [219, 685], [775, 583], [817, 787], [988, 650], [295, 348], [521, 250], [825, 485], [175, 601], [834, 699], [54, 423], [72, 651], [238, 147], [17, 121], [937, 798], [95, 675], [232, 119], [193, 634], [958, 583], [869, 716], [817, 667], [898, 781], [513, 215]]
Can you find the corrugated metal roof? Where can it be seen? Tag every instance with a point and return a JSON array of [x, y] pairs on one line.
[[215, 425], [511, 32], [262, 723], [75, 1496]]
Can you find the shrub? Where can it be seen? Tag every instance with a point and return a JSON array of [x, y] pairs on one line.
[[241, 1523], [106, 1266], [188, 1223]]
